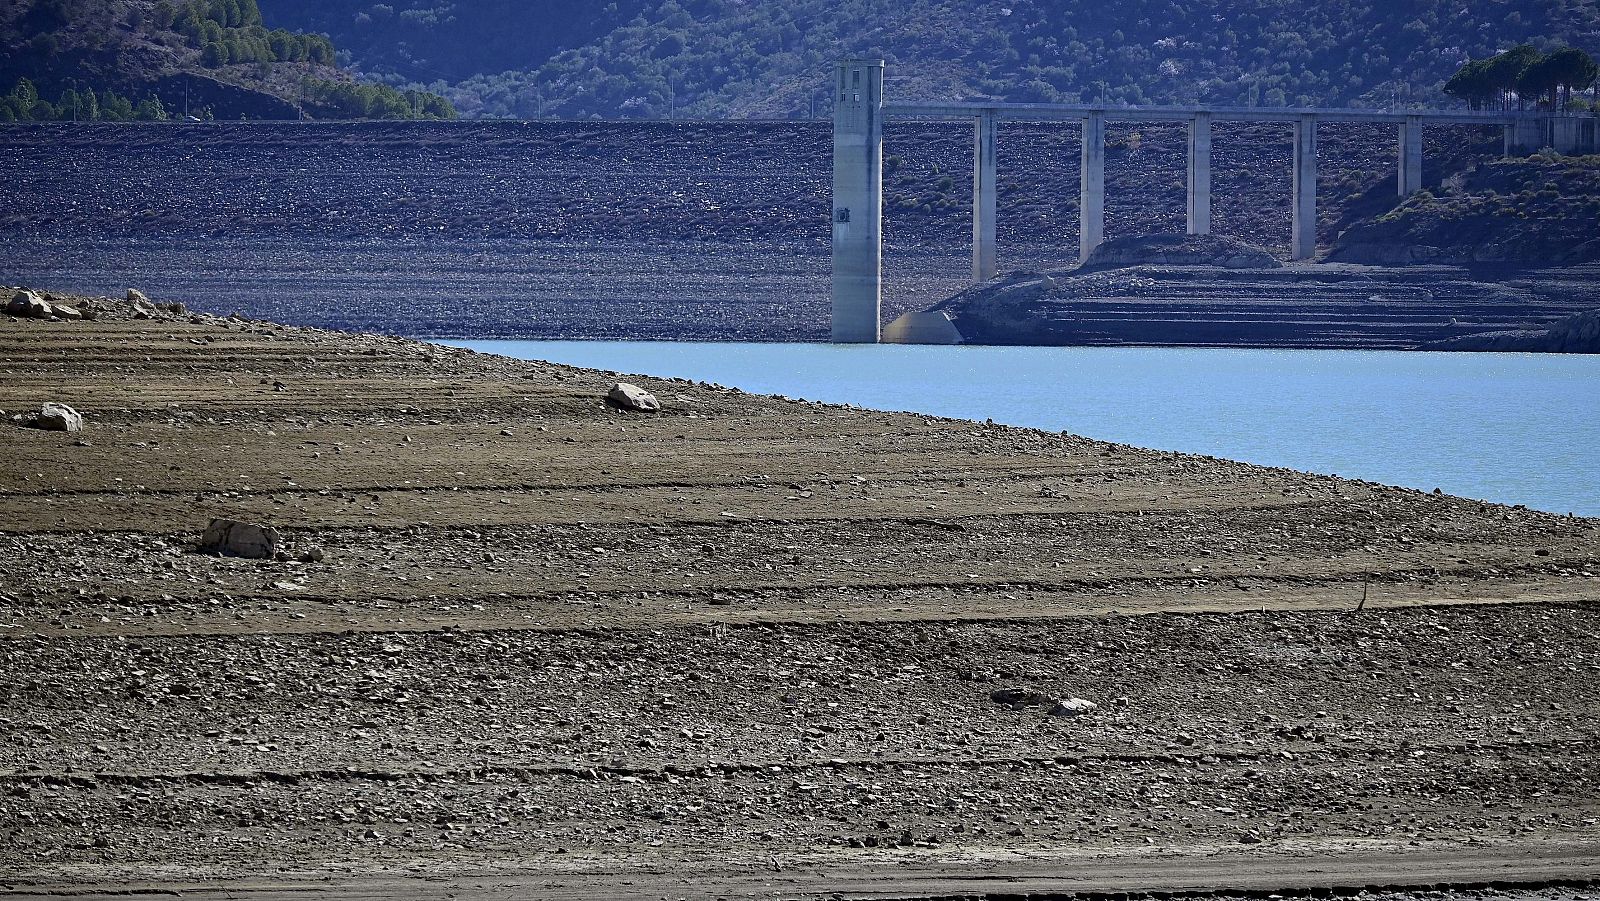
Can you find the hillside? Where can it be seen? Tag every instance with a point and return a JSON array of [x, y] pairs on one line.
[[154, 59], [1539, 209], [724, 57]]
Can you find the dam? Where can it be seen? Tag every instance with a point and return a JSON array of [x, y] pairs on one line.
[[860, 111]]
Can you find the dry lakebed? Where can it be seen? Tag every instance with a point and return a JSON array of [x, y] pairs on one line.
[[523, 643]]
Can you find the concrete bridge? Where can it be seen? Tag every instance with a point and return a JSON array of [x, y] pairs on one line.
[[860, 111]]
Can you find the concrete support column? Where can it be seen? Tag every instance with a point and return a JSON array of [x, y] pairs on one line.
[[984, 174], [1410, 174], [1564, 134], [1092, 186], [1303, 230], [1524, 136], [1200, 174], [857, 200]]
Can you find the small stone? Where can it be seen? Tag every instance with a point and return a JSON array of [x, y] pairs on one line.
[[632, 397], [313, 555]]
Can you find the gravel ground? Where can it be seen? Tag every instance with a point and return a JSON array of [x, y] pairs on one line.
[[747, 646]]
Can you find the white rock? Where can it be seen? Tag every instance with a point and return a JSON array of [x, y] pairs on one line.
[[632, 397], [1072, 707], [56, 418]]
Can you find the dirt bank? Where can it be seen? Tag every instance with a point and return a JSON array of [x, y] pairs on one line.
[[743, 647]]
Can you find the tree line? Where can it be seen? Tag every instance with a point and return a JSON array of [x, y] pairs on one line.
[[361, 100], [23, 104], [231, 31], [1523, 74]]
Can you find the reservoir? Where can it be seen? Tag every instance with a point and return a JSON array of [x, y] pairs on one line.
[[1510, 428]]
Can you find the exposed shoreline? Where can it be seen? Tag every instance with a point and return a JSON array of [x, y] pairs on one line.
[[743, 646]]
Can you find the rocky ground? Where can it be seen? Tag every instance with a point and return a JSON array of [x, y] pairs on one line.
[[521, 643]]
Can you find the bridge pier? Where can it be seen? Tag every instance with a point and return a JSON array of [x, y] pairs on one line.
[[1564, 134], [1410, 174], [857, 201], [1092, 185], [1200, 174], [984, 174], [1524, 136], [1303, 229]]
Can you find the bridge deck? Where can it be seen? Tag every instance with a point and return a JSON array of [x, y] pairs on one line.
[[1058, 111]]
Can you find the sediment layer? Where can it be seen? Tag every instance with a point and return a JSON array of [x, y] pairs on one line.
[[747, 646]]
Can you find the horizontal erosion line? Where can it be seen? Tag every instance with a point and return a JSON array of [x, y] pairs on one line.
[[423, 624], [775, 768], [777, 483], [731, 520], [1300, 889]]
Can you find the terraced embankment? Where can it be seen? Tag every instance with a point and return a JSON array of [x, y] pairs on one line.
[[742, 648], [1325, 305]]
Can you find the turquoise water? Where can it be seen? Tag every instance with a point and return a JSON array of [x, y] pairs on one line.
[[1513, 428]]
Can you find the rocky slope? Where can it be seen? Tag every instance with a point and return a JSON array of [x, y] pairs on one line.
[[723, 58], [1542, 210], [202, 59]]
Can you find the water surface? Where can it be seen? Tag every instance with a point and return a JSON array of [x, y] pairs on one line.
[[1512, 428]]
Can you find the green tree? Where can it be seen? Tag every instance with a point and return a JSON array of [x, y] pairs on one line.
[[23, 98], [1505, 70], [150, 109], [214, 55], [116, 108], [1572, 71], [1540, 82], [1471, 83]]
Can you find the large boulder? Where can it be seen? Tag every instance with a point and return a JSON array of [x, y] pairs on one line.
[[52, 417], [143, 307], [632, 397], [29, 305], [231, 538]]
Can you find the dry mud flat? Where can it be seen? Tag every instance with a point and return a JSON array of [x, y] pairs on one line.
[[746, 647]]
